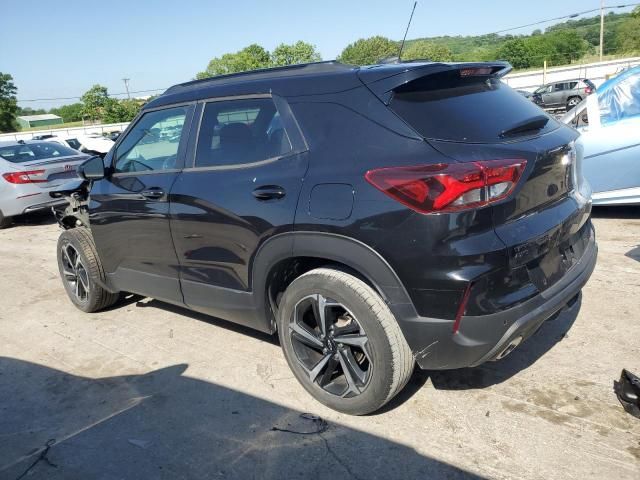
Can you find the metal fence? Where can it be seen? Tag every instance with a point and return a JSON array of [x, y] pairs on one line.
[[66, 132]]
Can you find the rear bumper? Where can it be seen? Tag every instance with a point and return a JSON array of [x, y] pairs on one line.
[[27, 200], [484, 338]]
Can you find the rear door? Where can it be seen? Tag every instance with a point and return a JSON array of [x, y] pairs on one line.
[[239, 188], [129, 209]]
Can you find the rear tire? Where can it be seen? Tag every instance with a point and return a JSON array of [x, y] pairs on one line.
[[362, 361], [572, 102], [81, 271], [5, 221]]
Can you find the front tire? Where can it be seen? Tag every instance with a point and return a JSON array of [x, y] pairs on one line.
[[81, 271], [342, 342]]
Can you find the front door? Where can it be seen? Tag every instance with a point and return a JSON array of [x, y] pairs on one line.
[[129, 209], [241, 189]]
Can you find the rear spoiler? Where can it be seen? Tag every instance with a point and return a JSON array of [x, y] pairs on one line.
[[383, 79]]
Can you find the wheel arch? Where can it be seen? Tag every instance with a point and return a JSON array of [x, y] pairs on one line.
[[285, 257]]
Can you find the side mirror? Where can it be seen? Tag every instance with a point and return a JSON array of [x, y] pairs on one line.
[[92, 169]]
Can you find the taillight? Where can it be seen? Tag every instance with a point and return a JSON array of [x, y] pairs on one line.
[[28, 176], [587, 90], [448, 187]]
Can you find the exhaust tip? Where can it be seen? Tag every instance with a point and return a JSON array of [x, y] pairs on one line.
[[509, 348]]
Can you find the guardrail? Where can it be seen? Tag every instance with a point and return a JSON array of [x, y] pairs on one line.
[[66, 132], [597, 72]]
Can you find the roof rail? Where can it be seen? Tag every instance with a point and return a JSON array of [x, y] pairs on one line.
[[327, 65]]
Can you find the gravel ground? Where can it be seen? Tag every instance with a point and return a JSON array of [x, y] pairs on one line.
[[148, 390]]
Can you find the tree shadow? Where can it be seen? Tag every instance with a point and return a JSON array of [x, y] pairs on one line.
[[550, 333], [166, 425]]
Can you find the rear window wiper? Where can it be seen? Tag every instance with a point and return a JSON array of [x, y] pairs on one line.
[[535, 123]]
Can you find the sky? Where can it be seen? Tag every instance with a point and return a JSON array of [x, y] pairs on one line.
[[60, 49]]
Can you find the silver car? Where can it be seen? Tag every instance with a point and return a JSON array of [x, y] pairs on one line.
[[609, 123], [29, 170]]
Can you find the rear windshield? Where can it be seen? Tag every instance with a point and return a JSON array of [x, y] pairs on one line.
[[22, 153], [445, 106]]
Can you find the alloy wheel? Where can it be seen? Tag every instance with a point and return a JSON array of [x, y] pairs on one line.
[[74, 272], [331, 346]]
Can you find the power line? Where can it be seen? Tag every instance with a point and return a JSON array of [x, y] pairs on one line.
[[79, 97], [573, 15]]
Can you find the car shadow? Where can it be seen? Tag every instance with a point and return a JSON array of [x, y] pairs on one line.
[[550, 333], [44, 217], [166, 424], [624, 212], [217, 322]]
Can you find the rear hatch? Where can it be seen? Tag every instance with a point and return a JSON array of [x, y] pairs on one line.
[[470, 115]]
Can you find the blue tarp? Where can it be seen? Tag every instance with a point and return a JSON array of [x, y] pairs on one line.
[[619, 97]]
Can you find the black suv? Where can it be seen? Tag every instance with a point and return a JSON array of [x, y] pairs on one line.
[[373, 217]]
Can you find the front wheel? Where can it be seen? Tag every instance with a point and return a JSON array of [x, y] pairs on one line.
[[342, 342], [81, 271]]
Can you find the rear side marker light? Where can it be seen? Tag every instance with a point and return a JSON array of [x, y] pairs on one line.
[[444, 187], [461, 308], [28, 176]]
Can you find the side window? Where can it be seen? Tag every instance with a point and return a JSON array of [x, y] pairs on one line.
[[236, 132], [559, 87], [153, 142], [572, 85]]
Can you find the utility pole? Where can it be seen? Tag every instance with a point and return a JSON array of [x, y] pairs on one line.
[[601, 28], [126, 80]]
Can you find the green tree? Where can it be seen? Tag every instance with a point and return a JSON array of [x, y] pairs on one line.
[[69, 113], [368, 51], [427, 51], [116, 111], [299, 52], [249, 58], [94, 102], [517, 52], [629, 33], [8, 103]]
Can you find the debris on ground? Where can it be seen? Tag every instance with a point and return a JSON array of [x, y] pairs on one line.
[[628, 391]]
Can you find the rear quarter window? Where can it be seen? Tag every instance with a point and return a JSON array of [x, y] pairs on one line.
[[447, 107]]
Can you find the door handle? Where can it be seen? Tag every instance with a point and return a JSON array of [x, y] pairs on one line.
[[154, 193], [269, 192]]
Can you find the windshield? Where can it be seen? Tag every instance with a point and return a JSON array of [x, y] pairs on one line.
[[541, 89], [28, 152]]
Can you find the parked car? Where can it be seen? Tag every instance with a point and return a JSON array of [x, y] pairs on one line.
[[609, 123], [29, 170], [373, 217], [91, 144], [563, 95]]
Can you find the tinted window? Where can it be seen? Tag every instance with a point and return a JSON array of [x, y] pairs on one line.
[[34, 151], [572, 85], [240, 131], [153, 142], [445, 106], [74, 143]]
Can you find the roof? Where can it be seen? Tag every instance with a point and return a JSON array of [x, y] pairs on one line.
[[329, 66], [44, 116]]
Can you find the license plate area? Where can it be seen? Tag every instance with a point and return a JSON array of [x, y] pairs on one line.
[[561, 256]]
